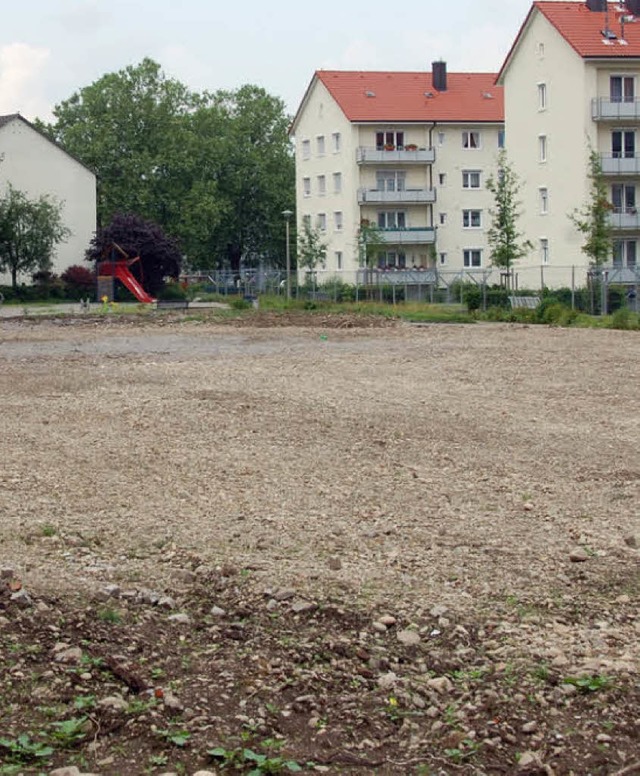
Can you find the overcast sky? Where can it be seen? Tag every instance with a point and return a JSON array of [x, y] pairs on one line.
[[51, 48]]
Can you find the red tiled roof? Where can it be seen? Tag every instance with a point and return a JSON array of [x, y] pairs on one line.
[[407, 96]]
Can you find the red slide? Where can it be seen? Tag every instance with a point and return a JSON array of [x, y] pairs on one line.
[[121, 271]]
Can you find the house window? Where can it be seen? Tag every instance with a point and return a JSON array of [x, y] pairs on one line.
[[471, 140], [625, 253], [471, 179], [542, 148], [322, 185], [337, 182], [622, 88], [623, 144], [472, 257], [443, 258], [392, 260], [443, 218], [320, 145], [501, 138], [442, 178], [322, 222], [389, 141], [542, 96], [306, 222], [336, 139], [623, 198], [337, 220], [544, 250], [543, 194], [306, 187], [472, 219], [390, 180], [306, 149], [540, 50], [393, 219], [338, 259], [440, 138]]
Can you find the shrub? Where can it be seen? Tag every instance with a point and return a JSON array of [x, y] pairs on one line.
[[172, 291], [623, 318], [78, 281], [240, 303]]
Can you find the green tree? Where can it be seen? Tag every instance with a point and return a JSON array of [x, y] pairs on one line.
[[593, 219], [371, 243], [506, 242], [312, 251], [29, 232]]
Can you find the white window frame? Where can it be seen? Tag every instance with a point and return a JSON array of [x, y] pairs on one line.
[[320, 145], [306, 187], [468, 218], [336, 139], [391, 218], [543, 149], [543, 200], [468, 255], [338, 220], [306, 149], [442, 256], [472, 140], [467, 179], [502, 136], [321, 221], [337, 182], [542, 96], [321, 181], [306, 221], [544, 250], [442, 178], [442, 218], [441, 138], [338, 257]]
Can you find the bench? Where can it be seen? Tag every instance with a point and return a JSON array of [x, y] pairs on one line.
[[526, 302], [172, 304]]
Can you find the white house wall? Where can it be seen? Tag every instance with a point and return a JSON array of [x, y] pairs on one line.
[[36, 166]]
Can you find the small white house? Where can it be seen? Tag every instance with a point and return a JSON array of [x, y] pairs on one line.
[[36, 165]]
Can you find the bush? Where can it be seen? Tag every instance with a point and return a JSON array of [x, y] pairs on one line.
[[172, 291], [240, 303], [623, 318], [78, 282]]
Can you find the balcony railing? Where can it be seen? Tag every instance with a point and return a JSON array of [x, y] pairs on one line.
[[407, 196], [417, 235], [398, 276], [603, 108], [625, 219], [620, 165], [394, 155]]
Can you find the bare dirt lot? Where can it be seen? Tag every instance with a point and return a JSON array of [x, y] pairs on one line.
[[334, 544]]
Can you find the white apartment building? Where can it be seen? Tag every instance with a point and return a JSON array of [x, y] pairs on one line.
[[408, 151], [571, 84]]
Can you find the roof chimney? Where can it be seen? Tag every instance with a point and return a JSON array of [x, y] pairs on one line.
[[439, 75], [597, 5], [633, 6]]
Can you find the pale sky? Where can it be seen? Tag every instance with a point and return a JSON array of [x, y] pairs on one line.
[[51, 48]]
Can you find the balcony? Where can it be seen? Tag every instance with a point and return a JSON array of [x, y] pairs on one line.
[[406, 197], [603, 109], [398, 277], [625, 219], [620, 165], [403, 155], [419, 235]]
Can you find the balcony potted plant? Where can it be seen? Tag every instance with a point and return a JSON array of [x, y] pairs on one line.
[[411, 147], [389, 147]]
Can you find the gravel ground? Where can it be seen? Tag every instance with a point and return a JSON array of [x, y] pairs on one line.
[[480, 477]]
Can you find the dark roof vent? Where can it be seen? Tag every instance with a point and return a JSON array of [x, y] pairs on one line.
[[597, 5], [439, 75]]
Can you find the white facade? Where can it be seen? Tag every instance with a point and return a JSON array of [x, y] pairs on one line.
[[35, 165], [422, 183]]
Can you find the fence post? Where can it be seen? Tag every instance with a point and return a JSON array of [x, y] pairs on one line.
[[573, 287]]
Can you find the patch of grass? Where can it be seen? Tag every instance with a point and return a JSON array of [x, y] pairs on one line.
[[241, 758], [48, 530], [110, 615], [23, 749], [179, 738], [588, 684], [69, 732]]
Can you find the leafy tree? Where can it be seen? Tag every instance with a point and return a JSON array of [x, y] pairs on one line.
[[29, 232], [159, 254], [593, 219], [371, 242], [506, 242], [312, 251]]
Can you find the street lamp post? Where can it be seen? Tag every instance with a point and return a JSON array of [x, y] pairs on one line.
[[287, 215]]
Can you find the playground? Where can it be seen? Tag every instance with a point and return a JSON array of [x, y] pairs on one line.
[[369, 530]]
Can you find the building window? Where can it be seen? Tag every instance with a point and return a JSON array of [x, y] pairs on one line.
[[393, 219], [306, 187], [542, 148], [472, 257], [389, 141], [623, 198], [442, 178], [471, 179], [322, 185], [544, 200], [440, 138], [471, 140], [625, 253], [322, 222], [338, 259], [544, 250], [392, 260], [542, 96], [306, 222], [337, 182], [337, 142], [320, 145], [501, 138], [622, 88], [443, 258], [390, 180], [306, 149], [443, 218], [337, 220], [472, 219], [623, 144], [540, 50]]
